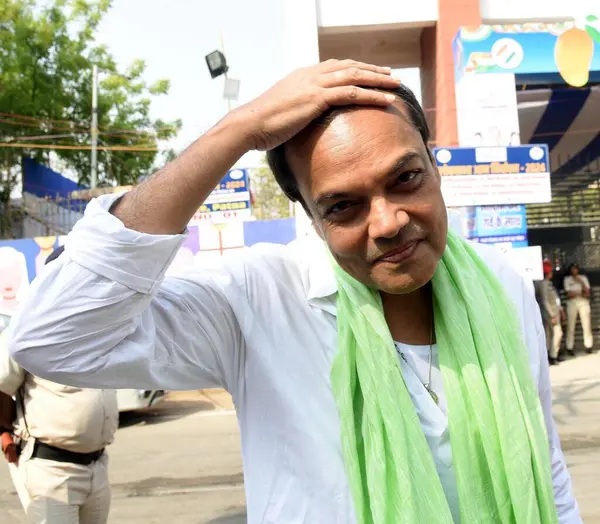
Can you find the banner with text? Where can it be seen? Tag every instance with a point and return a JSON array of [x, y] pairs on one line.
[[229, 201], [491, 176]]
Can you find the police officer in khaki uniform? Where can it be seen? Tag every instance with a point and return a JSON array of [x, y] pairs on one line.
[[60, 434]]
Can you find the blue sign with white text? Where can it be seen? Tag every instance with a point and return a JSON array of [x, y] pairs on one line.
[[494, 221], [466, 161]]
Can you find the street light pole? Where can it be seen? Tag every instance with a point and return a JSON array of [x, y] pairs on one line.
[[225, 75], [94, 177]]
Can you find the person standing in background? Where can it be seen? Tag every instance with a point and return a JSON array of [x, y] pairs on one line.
[[577, 287], [552, 312], [54, 439]]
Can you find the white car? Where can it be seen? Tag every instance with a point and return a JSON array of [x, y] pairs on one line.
[[136, 399], [128, 399]]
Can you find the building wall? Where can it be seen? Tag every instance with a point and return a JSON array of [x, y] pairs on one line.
[[332, 13], [338, 13], [392, 45], [452, 15], [494, 11]]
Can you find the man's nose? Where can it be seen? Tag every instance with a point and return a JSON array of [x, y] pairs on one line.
[[386, 219]]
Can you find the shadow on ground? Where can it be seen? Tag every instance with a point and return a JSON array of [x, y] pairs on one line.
[[164, 411], [235, 518]]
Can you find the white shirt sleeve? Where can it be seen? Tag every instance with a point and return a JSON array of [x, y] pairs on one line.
[[566, 505], [103, 315]]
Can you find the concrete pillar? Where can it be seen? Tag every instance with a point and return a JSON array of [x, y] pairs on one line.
[[437, 67]]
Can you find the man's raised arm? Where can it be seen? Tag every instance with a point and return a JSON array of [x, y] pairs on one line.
[[103, 315]]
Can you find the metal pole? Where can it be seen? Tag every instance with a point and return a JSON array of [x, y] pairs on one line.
[[94, 177]]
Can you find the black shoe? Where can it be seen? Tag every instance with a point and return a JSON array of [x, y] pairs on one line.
[[560, 358], [553, 361], [589, 351], [571, 352]]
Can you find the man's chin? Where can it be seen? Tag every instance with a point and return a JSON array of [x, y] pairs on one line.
[[401, 286]]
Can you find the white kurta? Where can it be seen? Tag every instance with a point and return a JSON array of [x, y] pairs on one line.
[[262, 324]]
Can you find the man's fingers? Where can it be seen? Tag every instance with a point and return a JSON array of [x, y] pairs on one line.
[[330, 66], [352, 95], [354, 76]]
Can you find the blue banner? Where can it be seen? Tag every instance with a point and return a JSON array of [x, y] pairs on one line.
[[514, 240], [526, 159], [235, 181], [229, 201], [494, 221], [224, 206]]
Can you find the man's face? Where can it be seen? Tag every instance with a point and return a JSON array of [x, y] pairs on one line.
[[374, 195]]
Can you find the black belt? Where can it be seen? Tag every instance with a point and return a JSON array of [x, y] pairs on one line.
[[45, 451]]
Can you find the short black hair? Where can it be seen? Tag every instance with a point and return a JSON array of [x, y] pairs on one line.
[[280, 166], [54, 255]]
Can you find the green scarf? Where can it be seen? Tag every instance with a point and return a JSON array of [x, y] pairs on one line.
[[499, 444]]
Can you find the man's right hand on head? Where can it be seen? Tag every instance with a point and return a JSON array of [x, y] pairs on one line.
[[294, 102]]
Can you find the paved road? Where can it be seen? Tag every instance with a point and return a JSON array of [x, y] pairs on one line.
[[181, 462]]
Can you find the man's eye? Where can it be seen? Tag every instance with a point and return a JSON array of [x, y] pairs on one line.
[[340, 207], [408, 176]]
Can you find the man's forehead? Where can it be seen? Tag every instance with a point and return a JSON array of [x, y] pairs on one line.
[[348, 133], [341, 120]]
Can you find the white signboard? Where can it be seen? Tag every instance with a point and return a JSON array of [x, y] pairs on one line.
[[491, 176], [492, 190], [529, 260]]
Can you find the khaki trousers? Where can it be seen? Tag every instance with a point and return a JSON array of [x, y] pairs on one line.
[[579, 307], [63, 493], [554, 334]]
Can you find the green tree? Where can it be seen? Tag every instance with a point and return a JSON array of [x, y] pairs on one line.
[[47, 50], [269, 202]]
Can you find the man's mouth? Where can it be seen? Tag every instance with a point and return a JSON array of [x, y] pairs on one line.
[[399, 254]]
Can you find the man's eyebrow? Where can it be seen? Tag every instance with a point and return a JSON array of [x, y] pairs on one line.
[[406, 159]]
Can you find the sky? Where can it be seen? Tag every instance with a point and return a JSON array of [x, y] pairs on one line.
[[174, 36]]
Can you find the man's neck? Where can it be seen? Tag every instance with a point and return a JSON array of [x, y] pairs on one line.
[[410, 316]]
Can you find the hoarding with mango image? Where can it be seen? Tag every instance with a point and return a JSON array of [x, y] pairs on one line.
[[574, 52], [537, 52]]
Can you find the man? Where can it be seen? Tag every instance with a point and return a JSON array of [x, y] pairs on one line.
[[578, 291], [57, 452], [331, 355], [552, 312]]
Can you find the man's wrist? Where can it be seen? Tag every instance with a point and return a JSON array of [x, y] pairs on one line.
[[238, 125]]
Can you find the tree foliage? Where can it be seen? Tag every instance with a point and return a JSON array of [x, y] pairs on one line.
[[269, 202], [47, 50]]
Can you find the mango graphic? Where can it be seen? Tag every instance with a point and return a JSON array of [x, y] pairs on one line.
[[573, 53]]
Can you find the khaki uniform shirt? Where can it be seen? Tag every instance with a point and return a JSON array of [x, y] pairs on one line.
[[549, 300], [572, 285], [75, 419]]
